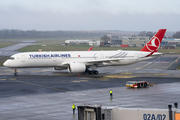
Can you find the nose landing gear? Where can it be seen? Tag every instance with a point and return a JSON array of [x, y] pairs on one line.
[[15, 72]]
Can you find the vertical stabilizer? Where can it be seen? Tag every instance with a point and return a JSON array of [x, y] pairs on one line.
[[154, 43]]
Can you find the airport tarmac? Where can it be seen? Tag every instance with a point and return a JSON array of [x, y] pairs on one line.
[[43, 94], [10, 50]]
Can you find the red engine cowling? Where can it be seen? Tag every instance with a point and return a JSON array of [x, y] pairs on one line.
[[77, 68]]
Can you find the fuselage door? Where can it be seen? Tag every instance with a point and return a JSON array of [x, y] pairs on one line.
[[22, 58], [54, 58]]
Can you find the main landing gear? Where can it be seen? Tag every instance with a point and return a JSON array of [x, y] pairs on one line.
[[92, 71], [15, 72]]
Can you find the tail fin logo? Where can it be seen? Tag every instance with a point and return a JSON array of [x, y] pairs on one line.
[[153, 44]]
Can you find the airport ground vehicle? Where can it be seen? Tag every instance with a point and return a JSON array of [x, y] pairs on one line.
[[137, 84]]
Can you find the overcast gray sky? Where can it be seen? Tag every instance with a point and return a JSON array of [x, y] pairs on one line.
[[129, 15]]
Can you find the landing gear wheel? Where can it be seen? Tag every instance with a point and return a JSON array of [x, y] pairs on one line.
[[15, 74], [95, 72], [138, 85], [145, 84], [90, 72]]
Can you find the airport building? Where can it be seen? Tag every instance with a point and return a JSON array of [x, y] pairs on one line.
[[94, 42], [90, 42], [171, 42], [77, 41], [114, 40], [130, 41], [135, 41]]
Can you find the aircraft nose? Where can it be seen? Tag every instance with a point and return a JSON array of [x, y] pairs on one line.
[[5, 63]]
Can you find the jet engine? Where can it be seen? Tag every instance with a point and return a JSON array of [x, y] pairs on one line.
[[76, 67]]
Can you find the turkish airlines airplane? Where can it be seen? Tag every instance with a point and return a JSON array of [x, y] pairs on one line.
[[85, 61]]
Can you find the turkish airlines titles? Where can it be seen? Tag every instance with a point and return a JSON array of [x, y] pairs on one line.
[[47, 56]]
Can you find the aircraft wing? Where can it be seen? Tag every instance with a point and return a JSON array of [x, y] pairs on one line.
[[104, 60], [108, 60]]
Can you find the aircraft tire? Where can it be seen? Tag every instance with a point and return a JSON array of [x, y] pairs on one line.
[[145, 84], [138, 85], [15, 74], [95, 72], [90, 72]]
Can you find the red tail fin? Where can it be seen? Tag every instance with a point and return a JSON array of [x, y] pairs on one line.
[[154, 43]]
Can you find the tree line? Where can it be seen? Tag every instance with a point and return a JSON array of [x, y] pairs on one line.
[[176, 35], [147, 34], [150, 34], [30, 34], [33, 34]]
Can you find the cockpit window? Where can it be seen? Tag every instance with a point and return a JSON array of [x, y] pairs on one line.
[[11, 58]]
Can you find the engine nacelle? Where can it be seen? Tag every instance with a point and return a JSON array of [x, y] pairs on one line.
[[76, 67]]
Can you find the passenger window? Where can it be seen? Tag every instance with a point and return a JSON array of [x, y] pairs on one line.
[[11, 58]]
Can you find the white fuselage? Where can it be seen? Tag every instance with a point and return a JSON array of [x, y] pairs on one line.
[[61, 59]]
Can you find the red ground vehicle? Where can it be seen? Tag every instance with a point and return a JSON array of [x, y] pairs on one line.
[[137, 84]]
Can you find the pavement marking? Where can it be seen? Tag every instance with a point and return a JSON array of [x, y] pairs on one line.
[[173, 63], [3, 79], [8, 70], [84, 80], [108, 77], [12, 78], [12, 70], [120, 76], [126, 73], [2, 57], [76, 81], [148, 63], [37, 71], [6, 73], [80, 81], [100, 78], [42, 86], [162, 74], [125, 70], [105, 79], [138, 68], [57, 75]]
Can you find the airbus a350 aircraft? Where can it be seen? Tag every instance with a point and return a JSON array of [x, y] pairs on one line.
[[85, 61]]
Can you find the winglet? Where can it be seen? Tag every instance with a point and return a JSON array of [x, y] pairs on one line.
[[90, 48], [154, 43]]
